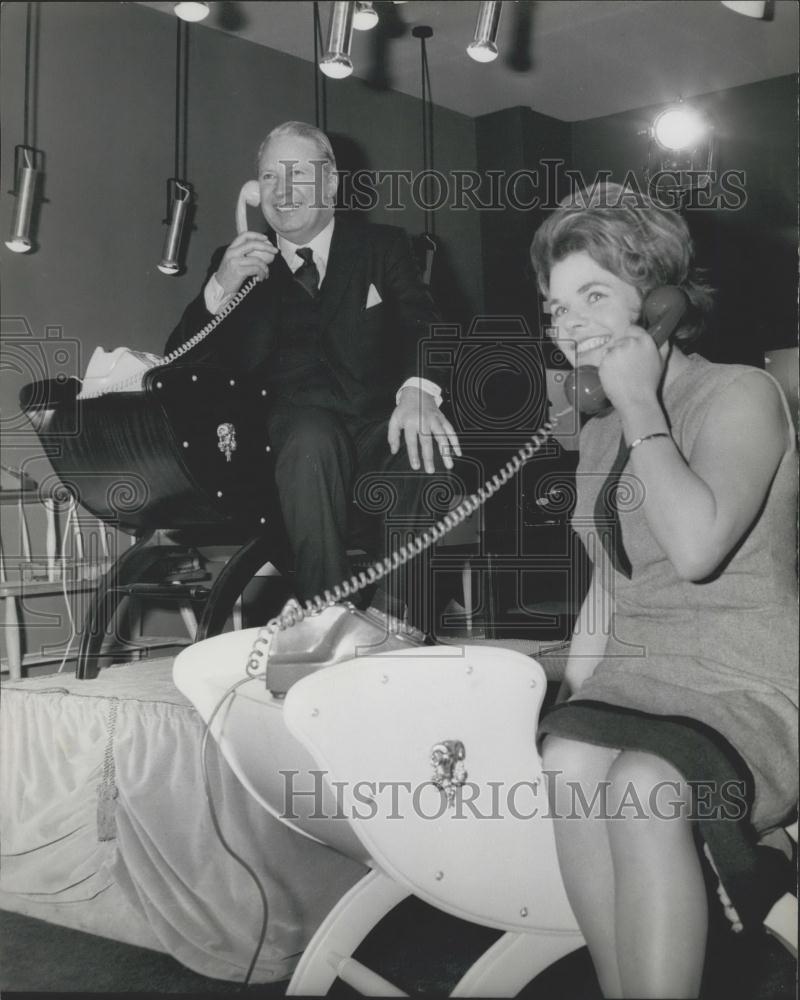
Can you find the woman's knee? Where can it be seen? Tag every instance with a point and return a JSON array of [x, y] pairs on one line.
[[645, 786]]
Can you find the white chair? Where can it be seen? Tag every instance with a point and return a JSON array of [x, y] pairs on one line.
[[386, 728]]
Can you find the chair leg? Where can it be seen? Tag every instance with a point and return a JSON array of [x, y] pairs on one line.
[[129, 568], [342, 931], [513, 961], [231, 582]]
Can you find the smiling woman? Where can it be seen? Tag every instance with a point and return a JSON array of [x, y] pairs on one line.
[[682, 660]]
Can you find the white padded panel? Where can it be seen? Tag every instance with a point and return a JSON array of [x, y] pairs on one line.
[[375, 719]]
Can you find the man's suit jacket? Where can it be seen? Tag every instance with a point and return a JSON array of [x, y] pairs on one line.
[[371, 351]]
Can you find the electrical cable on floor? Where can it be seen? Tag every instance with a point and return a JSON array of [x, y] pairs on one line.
[[218, 829]]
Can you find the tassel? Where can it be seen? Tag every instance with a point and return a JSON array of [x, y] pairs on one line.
[[106, 811], [107, 791]]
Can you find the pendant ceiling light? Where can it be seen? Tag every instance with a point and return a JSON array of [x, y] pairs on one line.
[[28, 161], [179, 191], [336, 60]]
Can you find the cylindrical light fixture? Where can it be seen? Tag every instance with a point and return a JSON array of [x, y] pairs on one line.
[[26, 174], [179, 191], [365, 16], [336, 61], [180, 199], [483, 47], [189, 10], [750, 8]]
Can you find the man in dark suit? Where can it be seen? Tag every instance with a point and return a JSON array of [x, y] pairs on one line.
[[333, 328]]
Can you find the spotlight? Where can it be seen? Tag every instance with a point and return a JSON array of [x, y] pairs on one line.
[[181, 198], [365, 16], [20, 239], [750, 8], [336, 61], [679, 128], [680, 154], [190, 10], [483, 47]]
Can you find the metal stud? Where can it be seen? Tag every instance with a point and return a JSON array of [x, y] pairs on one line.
[[159, 385], [219, 494], [439, 876], [314, 713], [185, 444], [523, 911], [194, 378], [384, 679], [232, 382]]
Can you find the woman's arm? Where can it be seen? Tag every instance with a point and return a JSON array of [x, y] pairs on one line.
[[589, 636], [699, 506]]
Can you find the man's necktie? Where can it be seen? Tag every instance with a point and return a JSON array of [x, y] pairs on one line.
[[606, 515], [307, 274]]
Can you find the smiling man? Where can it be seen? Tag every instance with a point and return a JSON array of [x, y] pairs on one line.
[[333, 329]]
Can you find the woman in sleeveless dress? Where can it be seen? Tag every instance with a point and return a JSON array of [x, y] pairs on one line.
[[682, 667]]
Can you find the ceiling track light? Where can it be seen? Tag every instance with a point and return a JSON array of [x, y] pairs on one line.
[[365, 17], [191, 10], [336, 63], [483, 47]]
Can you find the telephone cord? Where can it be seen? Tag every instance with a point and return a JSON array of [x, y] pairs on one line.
[[294, 612], [134, 382]]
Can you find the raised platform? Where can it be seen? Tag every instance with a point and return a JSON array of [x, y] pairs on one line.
[[106, 828]]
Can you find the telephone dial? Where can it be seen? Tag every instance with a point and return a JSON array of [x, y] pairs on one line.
[[662, 309]]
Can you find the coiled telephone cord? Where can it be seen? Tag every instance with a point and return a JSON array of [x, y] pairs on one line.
[[134, 382], [294, 612]]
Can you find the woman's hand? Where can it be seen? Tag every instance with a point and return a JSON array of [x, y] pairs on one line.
[[631, 370]]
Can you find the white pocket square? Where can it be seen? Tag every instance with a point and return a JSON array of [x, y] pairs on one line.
[[373, 298]]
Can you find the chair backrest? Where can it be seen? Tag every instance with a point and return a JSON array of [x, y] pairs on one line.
[[184, 451], [380, 728]]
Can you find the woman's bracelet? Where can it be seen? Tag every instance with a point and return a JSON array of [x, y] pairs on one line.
[[647, 437]]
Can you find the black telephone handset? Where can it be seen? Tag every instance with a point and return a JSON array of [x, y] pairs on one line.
[[663, 309]]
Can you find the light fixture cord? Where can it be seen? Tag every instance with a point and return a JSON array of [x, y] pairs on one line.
[[181, 97], [26, 112], [320, 80], [427, 133]]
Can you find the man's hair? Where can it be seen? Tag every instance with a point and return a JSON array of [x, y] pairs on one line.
[[301, 130], [627, 234]]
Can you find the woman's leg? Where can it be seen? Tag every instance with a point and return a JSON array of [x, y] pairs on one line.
[[661, 915], [577, 774]]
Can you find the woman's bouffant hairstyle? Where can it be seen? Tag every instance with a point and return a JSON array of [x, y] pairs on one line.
[[628, 235]]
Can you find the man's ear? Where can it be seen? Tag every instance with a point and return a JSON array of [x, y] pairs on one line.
[[332, 184]]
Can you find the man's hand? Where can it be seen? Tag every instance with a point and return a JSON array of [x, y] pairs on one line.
[[249, 255], [421, 422]]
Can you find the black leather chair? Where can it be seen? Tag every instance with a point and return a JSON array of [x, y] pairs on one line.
[[184, 462]]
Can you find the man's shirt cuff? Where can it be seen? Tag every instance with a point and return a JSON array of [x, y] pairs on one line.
[[421, 383], [215, 295]]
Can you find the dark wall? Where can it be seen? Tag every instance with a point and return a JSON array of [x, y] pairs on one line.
[[516, 143], [749, 252], [106, 122]]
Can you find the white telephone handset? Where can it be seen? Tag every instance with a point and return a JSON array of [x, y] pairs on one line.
[[249, 195]]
